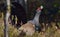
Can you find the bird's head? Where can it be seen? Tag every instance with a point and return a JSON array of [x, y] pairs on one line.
[[39, 9]]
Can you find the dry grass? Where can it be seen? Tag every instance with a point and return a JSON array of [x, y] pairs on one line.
[[13, 32]]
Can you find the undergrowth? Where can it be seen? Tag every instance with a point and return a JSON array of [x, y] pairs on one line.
[[13, 32]]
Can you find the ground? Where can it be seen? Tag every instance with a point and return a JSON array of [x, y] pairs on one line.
[[13, 32]]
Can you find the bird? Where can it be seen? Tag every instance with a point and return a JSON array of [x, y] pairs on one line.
[[32, 25], [35, 20]]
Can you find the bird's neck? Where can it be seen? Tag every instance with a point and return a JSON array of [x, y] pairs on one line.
[[37, 16]]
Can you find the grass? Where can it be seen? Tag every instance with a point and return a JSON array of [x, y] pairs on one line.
[[13, 32]]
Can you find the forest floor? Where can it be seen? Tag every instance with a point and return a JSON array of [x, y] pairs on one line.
[[13, 32]]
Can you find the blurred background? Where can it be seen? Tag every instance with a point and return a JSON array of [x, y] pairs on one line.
[[50, 14]]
